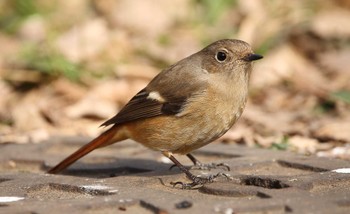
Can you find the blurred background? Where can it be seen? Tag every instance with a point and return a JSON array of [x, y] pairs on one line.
[[66, 66]]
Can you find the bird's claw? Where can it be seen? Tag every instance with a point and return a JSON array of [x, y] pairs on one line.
[[196, 180], [210, 166]]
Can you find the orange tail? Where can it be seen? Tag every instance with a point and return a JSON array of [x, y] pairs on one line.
[[103, 140]]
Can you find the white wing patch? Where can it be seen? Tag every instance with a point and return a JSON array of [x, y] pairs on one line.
[[154, 95]]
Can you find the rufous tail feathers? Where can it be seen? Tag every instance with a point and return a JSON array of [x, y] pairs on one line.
[[106, 138]]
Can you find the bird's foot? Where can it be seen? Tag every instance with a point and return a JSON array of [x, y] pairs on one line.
[[197, 180], [209, 166]]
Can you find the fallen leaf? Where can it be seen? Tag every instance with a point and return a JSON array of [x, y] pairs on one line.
[[334, 129], [85, 41], [303, 145], [147, 17], [332, 23]]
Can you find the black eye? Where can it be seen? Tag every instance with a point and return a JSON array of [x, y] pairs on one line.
[[221, 56]]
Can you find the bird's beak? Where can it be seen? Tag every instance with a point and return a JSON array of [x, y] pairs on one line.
[[252, 57]]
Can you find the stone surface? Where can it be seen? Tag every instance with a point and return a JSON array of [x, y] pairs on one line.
[[128, 178]]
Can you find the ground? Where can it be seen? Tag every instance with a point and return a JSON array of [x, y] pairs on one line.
[[129, 178]]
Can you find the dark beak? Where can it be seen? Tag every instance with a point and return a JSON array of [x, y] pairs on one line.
[[252, 57]]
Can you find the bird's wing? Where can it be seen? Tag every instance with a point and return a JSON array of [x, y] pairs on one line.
[[166, 94]]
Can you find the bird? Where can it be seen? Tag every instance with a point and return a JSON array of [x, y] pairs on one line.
[[185, 107]]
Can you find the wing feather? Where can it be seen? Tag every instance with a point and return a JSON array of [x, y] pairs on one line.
[[137, 108], [174, 85]]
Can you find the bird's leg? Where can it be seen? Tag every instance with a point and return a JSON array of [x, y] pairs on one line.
[[196, 180], [208, 166], [202, 166]]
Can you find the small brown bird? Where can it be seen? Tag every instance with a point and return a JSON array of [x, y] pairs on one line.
[[185, 107]]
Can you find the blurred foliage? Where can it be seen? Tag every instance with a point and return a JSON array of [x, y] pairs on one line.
[[283, 145], [342, 95], [329, 105], [48, 61], [325, 106], [296, 90], [268, 44], [213, 10], [13, 12], [38, 57]]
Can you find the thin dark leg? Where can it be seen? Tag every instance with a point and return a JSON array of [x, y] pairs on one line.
[[182, 168], [193, 159], [199, 165], [195, 179], [209, 166]]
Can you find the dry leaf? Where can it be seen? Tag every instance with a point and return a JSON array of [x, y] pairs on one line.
[[85, 41], [147, 17], [332, 23], [27, 114], [136, 71], [34, 29], [303, 145], [336, 130]]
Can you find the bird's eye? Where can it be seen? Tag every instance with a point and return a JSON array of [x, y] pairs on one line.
[[221, 56]]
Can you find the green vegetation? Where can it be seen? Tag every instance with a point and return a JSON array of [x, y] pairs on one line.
[[341, 95], [47, 60], [13, 12], [214, 9], [283, 145]]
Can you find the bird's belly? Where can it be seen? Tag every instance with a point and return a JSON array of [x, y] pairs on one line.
[[183, 134], [207, 129]]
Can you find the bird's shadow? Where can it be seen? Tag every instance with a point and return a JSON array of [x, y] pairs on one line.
[[120, 167]]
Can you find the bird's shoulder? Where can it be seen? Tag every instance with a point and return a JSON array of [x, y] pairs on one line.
[[167, 94]]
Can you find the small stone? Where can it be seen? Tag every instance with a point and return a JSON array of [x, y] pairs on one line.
[[183, 205]]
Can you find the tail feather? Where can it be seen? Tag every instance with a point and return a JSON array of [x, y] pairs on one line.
[[103, 140]]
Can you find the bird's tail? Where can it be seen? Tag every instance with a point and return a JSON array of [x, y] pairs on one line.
[[106, 138]]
